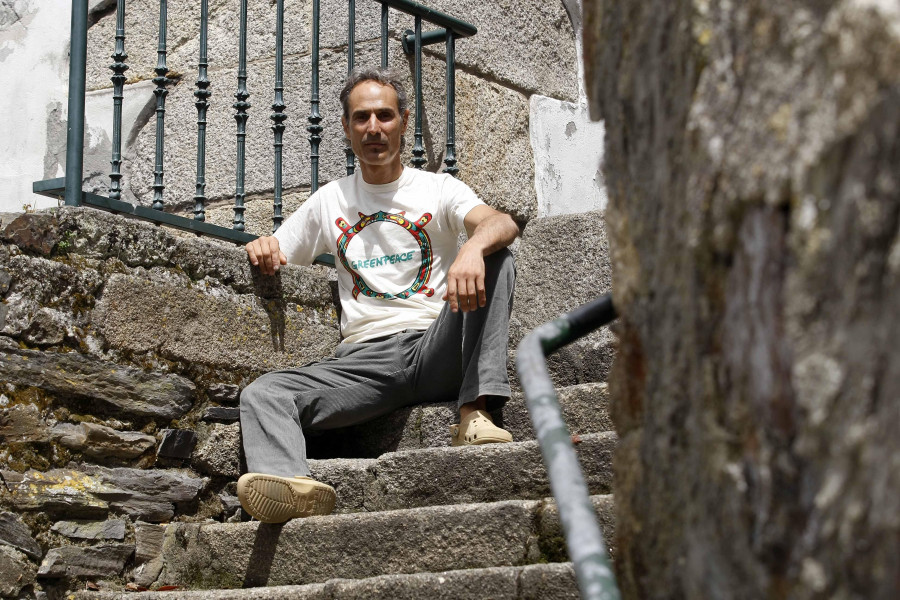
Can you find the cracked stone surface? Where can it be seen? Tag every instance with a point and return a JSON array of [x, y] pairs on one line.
[[752, 153]]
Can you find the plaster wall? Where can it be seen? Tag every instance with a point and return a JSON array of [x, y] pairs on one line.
[[34, 44], [568, 146]]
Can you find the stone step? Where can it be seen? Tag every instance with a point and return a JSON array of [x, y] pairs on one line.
[[585, 408], [531, 582], [357, 546], [441, 476]]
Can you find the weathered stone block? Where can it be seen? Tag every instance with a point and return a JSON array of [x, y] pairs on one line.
[[220, 453], [495, 583], [113, 529], [222, 330], [99, 235], [352, 480], [586, 360], [148, 539], [492, 472], [47, 298], [33, 232], [553, 540], [16, 572], [124, 389], [230, 505], [225, 414], [23, 423], [494, 148], [556, 581], [16, 534], [96, 561], [352, 545], [58, 493], [99, 441], [585, 410], [48, 328], [561, 263], [224, 393], [92, 491], [177, 443], [509, 31]]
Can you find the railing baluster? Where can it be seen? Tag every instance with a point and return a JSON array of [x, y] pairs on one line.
[[161, 92], [241, 117], [450, 155], [384, 36], [202, 94], [418, 151], [77, 80], [118, 67], [314, 129], [351, 49], [278, 116]]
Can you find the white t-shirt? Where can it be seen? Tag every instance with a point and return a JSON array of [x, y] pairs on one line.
[[392, 243]]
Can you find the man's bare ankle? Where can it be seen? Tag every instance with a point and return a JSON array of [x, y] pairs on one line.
[[470, 407]]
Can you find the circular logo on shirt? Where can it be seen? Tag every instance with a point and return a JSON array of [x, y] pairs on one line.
[[415, 228]]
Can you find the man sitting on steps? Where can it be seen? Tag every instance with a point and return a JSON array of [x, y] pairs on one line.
[[422, 321]]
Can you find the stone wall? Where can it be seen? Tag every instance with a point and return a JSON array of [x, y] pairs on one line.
[[123, 347], [753, 184]]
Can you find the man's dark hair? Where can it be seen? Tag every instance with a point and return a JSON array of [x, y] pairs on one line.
[[382, 76]]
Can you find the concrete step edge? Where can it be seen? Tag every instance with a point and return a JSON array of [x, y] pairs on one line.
[[361, 545], [445, 475], [529, 582]]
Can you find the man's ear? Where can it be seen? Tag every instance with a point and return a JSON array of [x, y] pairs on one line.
[[344, 125], [405, 119]]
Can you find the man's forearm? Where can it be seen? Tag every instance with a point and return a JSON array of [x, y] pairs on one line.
[[494, 233]]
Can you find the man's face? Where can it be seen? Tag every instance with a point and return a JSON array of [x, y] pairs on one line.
[[375, 124]]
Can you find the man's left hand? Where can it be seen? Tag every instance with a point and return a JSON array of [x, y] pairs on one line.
[[465, 280]]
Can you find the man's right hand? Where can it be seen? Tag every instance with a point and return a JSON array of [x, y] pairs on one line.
[[265, 253]]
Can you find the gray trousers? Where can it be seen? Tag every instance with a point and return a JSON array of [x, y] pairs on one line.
[[460, 357]]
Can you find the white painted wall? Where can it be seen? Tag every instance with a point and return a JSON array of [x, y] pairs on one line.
[[568, 146], [34, 70], [568, 155]]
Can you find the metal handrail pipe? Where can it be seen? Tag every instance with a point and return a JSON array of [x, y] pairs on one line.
[[584, 540], [460, 28], [408, 41], [77, 83]]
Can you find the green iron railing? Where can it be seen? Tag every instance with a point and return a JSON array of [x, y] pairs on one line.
[[584, 540], [69, 187]]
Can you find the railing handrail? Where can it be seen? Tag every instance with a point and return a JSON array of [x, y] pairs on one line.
[[457, 26], [584, 540]]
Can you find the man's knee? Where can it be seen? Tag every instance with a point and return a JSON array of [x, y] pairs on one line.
[[261, 397]]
